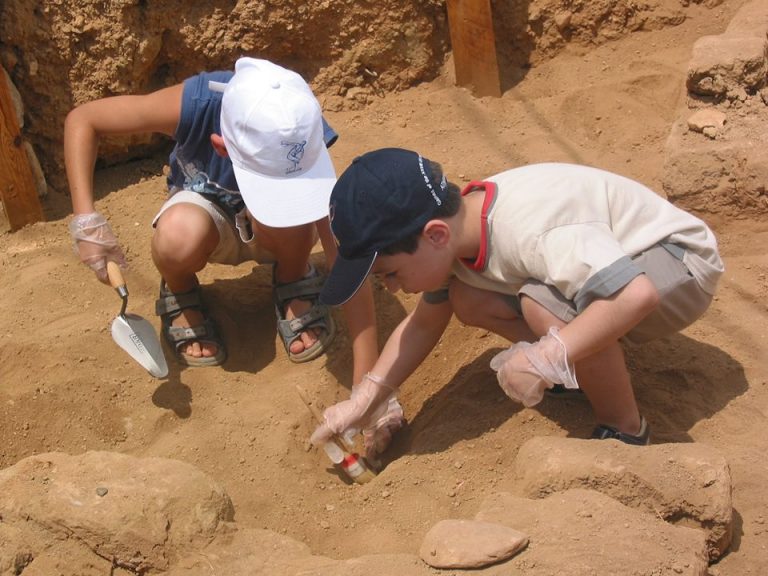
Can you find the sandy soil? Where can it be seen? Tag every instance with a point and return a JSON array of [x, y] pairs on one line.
[[65, 386]]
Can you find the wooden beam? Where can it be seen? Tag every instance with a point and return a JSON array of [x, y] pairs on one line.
[[17, 185], [474, 46]]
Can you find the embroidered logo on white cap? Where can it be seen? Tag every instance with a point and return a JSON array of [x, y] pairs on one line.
[[272, 127]]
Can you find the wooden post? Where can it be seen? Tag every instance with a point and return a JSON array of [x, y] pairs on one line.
[[17, 185], [474, 46]]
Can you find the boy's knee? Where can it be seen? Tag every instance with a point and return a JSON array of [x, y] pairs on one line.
[[186, 220], [462, 301], [184, 230], [473, 306]]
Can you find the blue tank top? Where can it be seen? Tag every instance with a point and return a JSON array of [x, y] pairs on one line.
[[194, 163]]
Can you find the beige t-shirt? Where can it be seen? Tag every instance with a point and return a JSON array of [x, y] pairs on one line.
[[576, 228]]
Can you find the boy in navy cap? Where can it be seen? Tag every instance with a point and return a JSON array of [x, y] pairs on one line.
[[562, 260]]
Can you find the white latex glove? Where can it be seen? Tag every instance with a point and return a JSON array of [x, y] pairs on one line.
[[377, 436], [372, 408], [95, 243], [525, 370]]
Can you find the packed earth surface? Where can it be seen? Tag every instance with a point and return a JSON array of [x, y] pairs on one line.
[[107, 470]]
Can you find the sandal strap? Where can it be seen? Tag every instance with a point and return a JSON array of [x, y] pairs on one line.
[[170, 303], [318, 316], [292, 328], [304, 289], [181, 334]]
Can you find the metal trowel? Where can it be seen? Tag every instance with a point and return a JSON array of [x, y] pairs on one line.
[[133, 333]]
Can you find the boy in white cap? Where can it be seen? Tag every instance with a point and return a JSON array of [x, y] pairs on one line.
[[562, 260], [250, 179]]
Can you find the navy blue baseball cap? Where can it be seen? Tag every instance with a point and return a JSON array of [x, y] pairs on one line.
[[382, 197]]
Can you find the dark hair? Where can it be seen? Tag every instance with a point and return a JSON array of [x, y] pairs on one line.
[[448, 208]]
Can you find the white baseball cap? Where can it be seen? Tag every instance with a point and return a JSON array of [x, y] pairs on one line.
[[272, 127]]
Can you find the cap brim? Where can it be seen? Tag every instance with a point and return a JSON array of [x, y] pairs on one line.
[[292, 201], [345, 279]]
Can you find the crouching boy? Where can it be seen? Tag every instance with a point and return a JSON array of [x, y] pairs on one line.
[[562, 260]]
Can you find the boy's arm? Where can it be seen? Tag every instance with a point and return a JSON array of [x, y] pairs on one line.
[[359, 312], [526, 369], [411, 341], [606, 320], [84, 125], [404, 351]]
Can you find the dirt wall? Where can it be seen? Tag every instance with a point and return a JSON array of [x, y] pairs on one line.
[[60, 53]]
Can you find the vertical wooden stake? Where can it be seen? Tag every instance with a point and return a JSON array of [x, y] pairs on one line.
[[474, 46], [17, 185]]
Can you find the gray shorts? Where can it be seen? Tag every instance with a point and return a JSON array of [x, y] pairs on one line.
[[232, 249], [681, 299]]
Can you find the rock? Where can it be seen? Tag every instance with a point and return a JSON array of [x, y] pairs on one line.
[[155, 507], [470, 544], [15, 550], [585, 532], [750, 20], [720, 64], [727, 175], [563, 20], [707, 117], [686, 484], [727, 171]]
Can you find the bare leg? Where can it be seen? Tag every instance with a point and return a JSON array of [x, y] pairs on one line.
[[488, 310], [184, 238], [602, 376]]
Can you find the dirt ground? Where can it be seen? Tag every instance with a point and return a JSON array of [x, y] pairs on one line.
[[65, 386]]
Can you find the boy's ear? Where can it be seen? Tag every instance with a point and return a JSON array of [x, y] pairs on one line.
[[437, 232], [218, 145]]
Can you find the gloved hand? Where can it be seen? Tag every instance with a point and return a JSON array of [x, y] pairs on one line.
[[95, 243], [376, 437], [525, 370], [372, 408]]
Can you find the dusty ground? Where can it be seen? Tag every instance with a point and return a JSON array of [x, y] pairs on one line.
[[65, 386]]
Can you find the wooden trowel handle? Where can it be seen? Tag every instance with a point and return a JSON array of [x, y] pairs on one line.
[[116, 278], [115, 275]]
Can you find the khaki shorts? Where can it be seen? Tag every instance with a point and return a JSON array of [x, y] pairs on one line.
[[681, 299], [231, 248]]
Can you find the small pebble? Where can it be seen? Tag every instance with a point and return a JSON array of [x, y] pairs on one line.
[[101, 491]]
